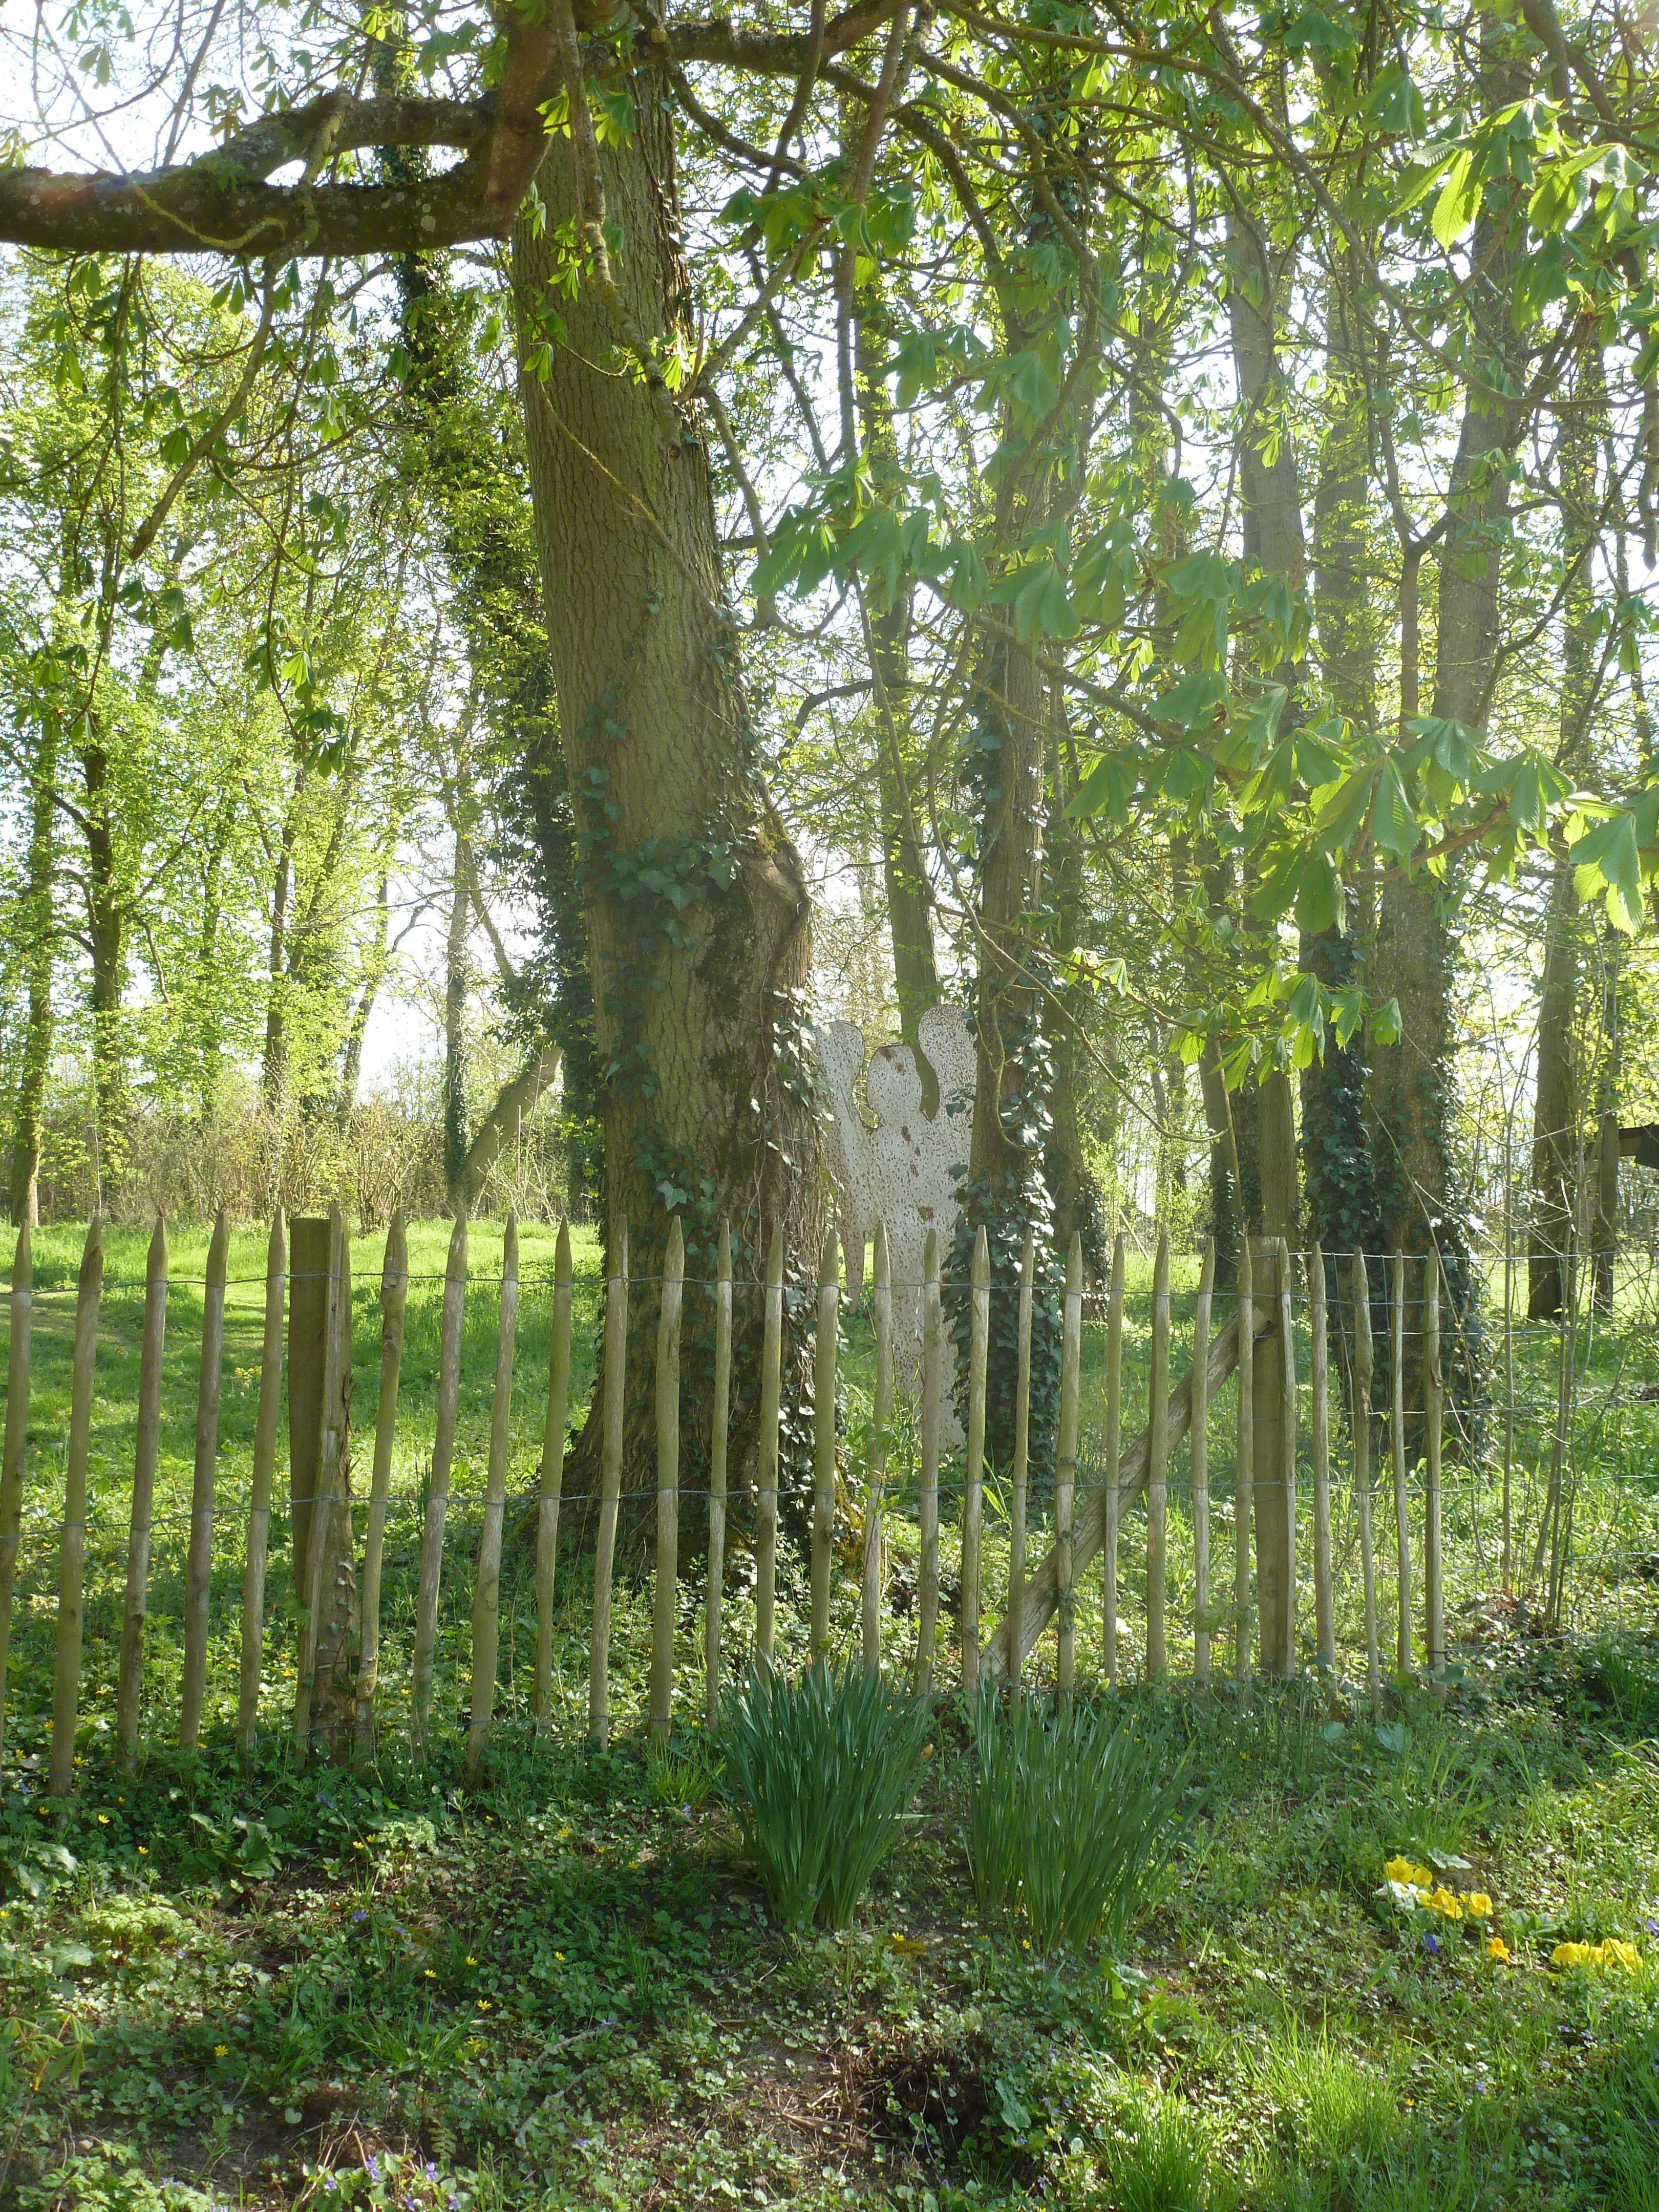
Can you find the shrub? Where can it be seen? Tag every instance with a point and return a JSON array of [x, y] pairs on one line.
[[1072, 1826], [821, 1770]]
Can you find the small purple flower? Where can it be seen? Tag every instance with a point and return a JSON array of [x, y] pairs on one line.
[[1431, 1945], [431, 2170], [1652, 1927], [360, 1915]]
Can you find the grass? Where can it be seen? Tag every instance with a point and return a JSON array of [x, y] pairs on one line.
[[561, 1986]]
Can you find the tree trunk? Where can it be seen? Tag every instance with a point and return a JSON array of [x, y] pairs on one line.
[[375, 960], [516, 1102], [698, 915], [39, 940], [106, 940], [1412, 1106], [457, 982], [1271, 534]]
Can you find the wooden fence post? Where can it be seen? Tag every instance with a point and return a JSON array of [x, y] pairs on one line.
[[1021, 1455], [973, 1492], [437, 1494], [1319, 1378], [1200, 1464], [1364, 1368], [1433, 1406], [17, 1430], [665, 1596], [330, 1589], [766, 1471], [487, 1587], [552, 1483], [881, 1301], [1287, 1432], [932, 1331], [394, 1299], [259, 1492], [1402, 1525], [610, 1460], [72, 1556], [198, 1567], [1244, 1464], [146, 1448], [1268, 1494], [1158, 1467], [1114, 1452], [718, 1440], [825, 1335], [1071, 1355]]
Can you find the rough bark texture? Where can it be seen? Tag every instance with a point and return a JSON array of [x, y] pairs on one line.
[[698, 917], [1410, 1087], [457, 981], [1271, 532]]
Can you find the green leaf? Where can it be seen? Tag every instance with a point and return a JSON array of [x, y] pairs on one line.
[[1319, 896], [1193, 700], [1393, 825], [1458, 202], [1106, 790]]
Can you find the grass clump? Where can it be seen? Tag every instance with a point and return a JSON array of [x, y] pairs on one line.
[[1073, 1823], [820, 1770]]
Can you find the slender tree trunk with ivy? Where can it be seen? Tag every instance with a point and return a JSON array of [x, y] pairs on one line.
[[698, 915], [38, 946]]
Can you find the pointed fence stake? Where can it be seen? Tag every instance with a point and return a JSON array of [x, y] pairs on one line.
[[17, 1430], [614, 1404], [552, 1478], [1363, 1369], [1433, 1411], [1319, 1375], [664, 1596], [932, 1333], [394, 1301], [1070, 1359], [1158, 1467], [1244, 1464], [1402, 1522], [486, 1589], [1114, 1447], [973, 1494], [72, 1557], [198, 1567], [1200, 1464], [766, 1472], [146, 1448], [1021, 1479], [881, 1306], [718, 1441], [437, 1493], [329, 1519], [824, 1340]]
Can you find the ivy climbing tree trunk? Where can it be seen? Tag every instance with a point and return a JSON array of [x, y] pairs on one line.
[[39, 947], [698, 915]]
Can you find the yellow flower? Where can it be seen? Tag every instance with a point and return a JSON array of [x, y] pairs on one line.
[[1498, 1949], [1572, 1954], [430, 1975], [1413, 1877], [144, 1851], [559, 1955], [1443, 1901], [1477, 1904], [103, 1819], [222, 2051], [470, 1960], [1614, 1953], [483, 2004]]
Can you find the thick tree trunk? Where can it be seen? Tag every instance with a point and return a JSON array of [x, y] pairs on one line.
[[1273, 537], [698, 916], [39, 944], [1411, 1090]]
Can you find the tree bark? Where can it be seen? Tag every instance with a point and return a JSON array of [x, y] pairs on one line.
[[698, 915], [456, 983], [516, 1102], [39, 947], [106, 943]]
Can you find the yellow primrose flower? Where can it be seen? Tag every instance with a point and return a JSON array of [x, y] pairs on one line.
[[1443, 1901], [1572, 1954], [1615, 1952], [1498, 1949], [1414, 1877], [1477, 1904]]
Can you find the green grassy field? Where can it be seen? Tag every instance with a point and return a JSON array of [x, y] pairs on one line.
[[557, 1986]]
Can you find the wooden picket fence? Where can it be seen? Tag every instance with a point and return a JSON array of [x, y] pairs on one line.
[[1256, 1590]]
